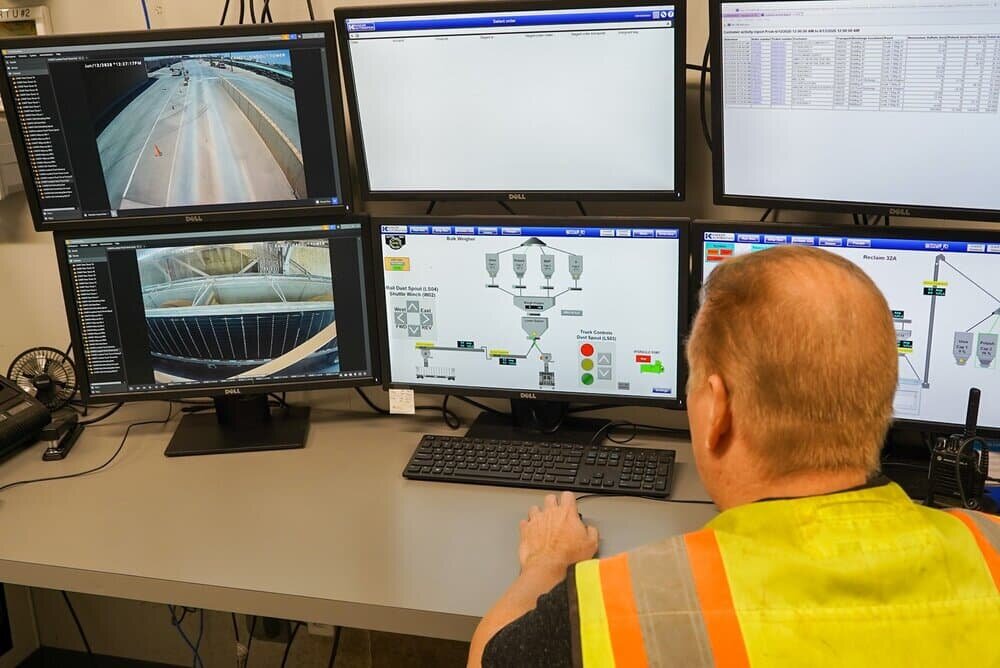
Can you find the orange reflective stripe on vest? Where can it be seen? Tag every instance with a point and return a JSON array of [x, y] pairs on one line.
[[716, 600], [609, 621], [986, 531]]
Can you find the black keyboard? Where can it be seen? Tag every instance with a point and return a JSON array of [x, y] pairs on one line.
[[558, 466]]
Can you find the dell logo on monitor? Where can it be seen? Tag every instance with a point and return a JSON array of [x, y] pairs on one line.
[[193, 219], [528, 395], [517, 196], [234, 390], [900, 212]]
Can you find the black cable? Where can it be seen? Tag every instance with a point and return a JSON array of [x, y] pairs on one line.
[[288, 646], [176, 622], [697, 68], [99, 418], [253, 627], [79, 628], [430, 207], [371, 404], [225, 11], [482, 407], [589, 409], [336, 646], [636, 426], [766, 213], [506, 207], [450, 417], [253, 12], [265, 13], [647, 498], [280, 399], [243, 9], [702, 88], [309, 6], [236, 627], [579, 205], [958, 467], [201, 634], [121, 445], [906, 465]]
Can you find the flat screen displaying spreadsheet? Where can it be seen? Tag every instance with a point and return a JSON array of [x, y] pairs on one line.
[[881, 107]]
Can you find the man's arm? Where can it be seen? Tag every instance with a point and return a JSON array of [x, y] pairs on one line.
[[552, 540]]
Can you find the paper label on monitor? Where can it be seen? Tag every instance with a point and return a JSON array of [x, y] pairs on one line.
[[401, 402]]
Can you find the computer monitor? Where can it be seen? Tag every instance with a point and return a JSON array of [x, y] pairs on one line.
[[942, 287], [857, 106], [517, 100], [177, 126], [535, 310], [230, 314]]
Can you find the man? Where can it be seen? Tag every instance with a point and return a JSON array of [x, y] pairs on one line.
[[815, 559]]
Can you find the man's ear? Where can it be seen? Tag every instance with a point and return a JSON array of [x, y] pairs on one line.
[[720, 417]]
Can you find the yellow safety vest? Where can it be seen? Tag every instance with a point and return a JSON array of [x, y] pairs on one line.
[[859, 578]]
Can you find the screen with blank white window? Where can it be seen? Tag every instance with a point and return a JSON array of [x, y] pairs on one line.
[[578, 100]]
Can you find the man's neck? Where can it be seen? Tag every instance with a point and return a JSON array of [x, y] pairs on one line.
[[812, 483]]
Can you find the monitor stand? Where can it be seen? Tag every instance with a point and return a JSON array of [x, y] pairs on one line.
[[240, 424], [536, 421]]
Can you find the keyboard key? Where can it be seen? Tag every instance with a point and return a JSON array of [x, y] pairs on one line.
[[498, 475]]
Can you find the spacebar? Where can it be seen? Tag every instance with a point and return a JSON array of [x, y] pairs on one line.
[[500, 475]]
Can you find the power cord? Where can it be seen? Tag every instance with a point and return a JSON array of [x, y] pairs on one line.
[[480, 406], [103, 466], [647, 498], [336, 646], [702, 89], [99, 418], [145, 14], [176, 621], [312, 14], [607, 430], [449, 416], [288, 646], [253, 627], [589, 409], [79, 628], [225, 11]]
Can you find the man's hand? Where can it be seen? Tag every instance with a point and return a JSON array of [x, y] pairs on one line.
[[554, 538]]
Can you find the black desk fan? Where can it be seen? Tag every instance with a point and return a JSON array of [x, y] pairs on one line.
[[47, 374]]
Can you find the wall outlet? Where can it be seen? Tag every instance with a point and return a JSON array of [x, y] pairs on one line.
[[318, 629]]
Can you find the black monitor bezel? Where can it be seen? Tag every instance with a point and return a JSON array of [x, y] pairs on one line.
[[76, 336], [699, 227], [680, 57], [722, 198], [683, 224], [255, 216]]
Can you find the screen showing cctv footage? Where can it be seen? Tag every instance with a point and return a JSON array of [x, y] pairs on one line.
[[195, 126], [172, 311]]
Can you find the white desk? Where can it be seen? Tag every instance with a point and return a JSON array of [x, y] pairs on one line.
[[331, 533]]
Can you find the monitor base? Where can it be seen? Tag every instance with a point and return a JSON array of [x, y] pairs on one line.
[[240, 424], [523, 424]]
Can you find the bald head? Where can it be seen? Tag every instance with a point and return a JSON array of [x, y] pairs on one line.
[[804, 342]]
